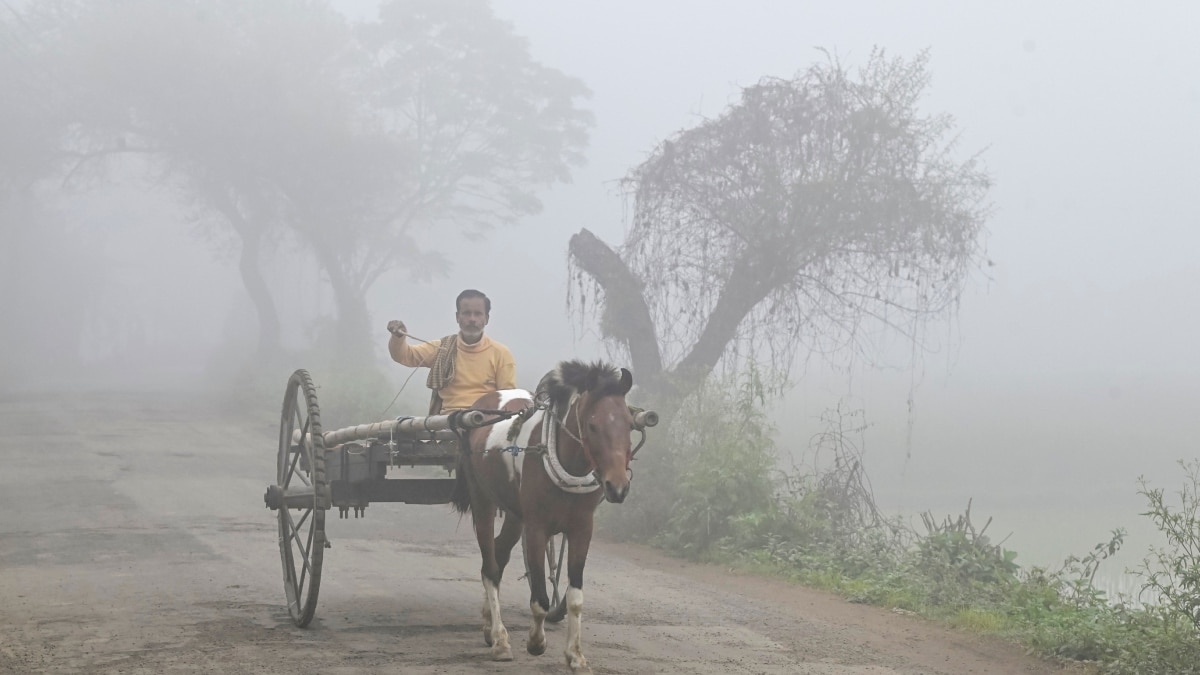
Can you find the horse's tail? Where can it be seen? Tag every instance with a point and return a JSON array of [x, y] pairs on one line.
[[460, 496]]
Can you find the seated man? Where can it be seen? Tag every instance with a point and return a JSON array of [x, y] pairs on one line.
[[463, 366]]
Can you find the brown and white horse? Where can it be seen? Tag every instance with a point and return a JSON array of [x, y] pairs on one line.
[[547, 474]]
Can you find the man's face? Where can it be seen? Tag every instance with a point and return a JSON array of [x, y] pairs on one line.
[[471, 317]]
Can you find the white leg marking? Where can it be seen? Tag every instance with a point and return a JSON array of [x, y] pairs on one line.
[[498, 634], [536, 644], [487, 616], [574, 652]]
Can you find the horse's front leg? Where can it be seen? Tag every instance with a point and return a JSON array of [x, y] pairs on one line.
[[494, 632], [578, 540], [539, 602]]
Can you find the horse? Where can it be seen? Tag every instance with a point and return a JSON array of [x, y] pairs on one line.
[[556, 491]]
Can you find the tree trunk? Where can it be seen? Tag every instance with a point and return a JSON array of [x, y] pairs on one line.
[[748, 285], [353, 320], [631, 324], [625, 307], [252, 279], [256, 287]]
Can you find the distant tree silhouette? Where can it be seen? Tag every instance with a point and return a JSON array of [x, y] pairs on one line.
[[287, 122]]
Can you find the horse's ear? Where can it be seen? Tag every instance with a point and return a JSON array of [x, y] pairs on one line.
[[626, 381]]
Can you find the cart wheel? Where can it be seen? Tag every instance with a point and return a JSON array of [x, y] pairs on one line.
[[558, 600], [301, 473], [558, 604]]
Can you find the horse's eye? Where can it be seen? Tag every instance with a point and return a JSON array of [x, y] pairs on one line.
[[592, 427]]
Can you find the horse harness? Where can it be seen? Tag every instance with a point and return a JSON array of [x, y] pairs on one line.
[[548, 449]]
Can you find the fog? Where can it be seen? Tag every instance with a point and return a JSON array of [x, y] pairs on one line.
[[1069, 370]]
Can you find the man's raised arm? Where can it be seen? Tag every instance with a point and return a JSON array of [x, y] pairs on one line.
[[413, 356]]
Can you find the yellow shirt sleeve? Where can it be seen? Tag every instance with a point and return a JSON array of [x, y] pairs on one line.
[[413, 356]]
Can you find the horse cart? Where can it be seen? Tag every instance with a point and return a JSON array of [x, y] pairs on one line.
[[348, 468]]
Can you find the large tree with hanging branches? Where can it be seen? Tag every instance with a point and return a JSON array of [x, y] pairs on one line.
[[815, 214]]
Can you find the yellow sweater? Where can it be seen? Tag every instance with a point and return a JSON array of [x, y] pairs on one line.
[[479, 369]]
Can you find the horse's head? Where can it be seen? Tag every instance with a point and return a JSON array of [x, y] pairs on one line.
[[602, 421]]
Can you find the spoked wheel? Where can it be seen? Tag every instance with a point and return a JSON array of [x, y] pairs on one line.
[[304, 497], [558, 601]]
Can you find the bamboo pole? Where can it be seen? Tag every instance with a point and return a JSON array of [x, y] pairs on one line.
[[434, 426]]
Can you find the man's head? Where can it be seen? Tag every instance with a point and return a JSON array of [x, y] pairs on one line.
[[472, 311]]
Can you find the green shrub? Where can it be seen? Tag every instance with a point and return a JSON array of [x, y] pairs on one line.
[[961, 563], [828, 518], [724, 458], [1171, 575]]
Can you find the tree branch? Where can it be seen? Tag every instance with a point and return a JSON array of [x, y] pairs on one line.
[[748, 285], [624, 303]]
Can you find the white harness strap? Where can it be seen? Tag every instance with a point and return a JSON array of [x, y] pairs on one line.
[[579, 485]]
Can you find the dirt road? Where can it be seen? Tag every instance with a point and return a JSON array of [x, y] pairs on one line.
[[133, 539]]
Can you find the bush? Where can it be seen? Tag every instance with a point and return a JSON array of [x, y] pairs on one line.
[[961, 563], [828, 518], [1172, 575], [724, 457]]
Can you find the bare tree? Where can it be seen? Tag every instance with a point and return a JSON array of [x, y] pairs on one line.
[[810, 213]]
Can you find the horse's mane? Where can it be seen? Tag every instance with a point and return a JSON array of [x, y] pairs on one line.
[[576, 377]]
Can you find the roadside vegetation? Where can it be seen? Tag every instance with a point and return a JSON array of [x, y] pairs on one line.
[[719, 497]]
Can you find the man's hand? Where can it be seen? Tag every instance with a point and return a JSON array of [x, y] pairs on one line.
[[397, 328]]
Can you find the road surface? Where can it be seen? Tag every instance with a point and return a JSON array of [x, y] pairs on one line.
[[133, 539]]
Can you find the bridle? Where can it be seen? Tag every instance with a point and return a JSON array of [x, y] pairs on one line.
[[578, 408], [566, 481], [554, 468]]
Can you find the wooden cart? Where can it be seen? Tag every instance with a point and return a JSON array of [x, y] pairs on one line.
[[317, 470]]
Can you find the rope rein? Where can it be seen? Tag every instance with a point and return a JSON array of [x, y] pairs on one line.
[[410, 375]]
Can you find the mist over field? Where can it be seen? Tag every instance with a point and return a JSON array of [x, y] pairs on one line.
[[1069, 369]]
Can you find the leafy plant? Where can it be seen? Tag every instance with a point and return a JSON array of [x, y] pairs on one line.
[[955, 553], [1172, 574], [725, 492], [1078, 574]]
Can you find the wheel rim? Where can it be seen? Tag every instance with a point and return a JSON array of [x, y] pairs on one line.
[[302, 530]]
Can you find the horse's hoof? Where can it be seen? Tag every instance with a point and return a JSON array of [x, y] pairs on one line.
[[487, 636], [502, 653], [537, 649], [579, 666]]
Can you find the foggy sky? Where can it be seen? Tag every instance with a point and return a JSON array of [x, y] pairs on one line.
[[1071, 370], [1074, 364]]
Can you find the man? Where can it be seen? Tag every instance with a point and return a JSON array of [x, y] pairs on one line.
[[463, 366]]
